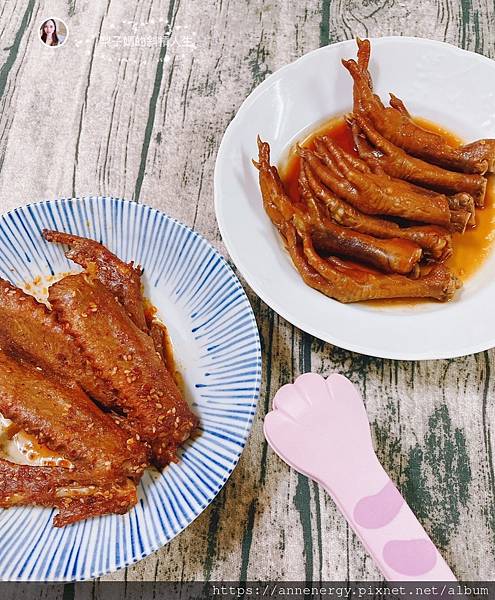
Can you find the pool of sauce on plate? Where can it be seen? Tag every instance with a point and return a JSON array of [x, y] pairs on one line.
[[470, 248]]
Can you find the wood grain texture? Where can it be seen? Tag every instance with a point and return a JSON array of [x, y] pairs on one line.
[[100, 117]]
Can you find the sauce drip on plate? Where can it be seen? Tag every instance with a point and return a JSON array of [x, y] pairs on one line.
[[167, 347]]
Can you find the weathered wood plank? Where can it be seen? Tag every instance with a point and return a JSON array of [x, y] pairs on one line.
[[145, 123]]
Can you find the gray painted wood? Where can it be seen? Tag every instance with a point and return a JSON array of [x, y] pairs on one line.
[[100, 117]]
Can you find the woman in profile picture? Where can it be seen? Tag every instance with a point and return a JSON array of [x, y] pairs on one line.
[[49, 33]]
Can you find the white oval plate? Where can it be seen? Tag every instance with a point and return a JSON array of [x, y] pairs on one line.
[[217, 350], [438, 81]]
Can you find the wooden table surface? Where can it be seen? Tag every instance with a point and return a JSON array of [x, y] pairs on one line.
[[134, 105]]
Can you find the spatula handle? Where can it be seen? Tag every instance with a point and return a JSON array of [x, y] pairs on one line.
[[387, 527]]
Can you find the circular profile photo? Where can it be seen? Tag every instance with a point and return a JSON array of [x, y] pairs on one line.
[[53, 32]]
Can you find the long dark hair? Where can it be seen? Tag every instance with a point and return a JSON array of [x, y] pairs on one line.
[[54, 35]]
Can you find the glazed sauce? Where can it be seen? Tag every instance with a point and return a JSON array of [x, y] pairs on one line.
[[470, 248], [150, 312]]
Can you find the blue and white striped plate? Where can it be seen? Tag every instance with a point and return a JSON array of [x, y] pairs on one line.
[[217, 349]]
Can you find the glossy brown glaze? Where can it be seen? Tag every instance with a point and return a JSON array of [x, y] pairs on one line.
[[59, 447], [31, 332], [397, 163]]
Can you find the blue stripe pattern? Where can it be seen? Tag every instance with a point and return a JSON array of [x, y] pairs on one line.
[[217, 348]]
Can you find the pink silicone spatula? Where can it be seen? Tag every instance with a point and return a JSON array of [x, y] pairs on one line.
[[320, 428]]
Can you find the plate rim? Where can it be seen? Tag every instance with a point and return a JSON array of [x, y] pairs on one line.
[[256, 385], [250, 278]]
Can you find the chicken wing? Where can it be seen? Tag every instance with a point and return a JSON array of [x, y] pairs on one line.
[[55, 487], [123, 279], [126, 360], [67, 422], [32, 333]]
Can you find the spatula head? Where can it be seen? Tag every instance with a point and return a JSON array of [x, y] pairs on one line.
[[319, 425]]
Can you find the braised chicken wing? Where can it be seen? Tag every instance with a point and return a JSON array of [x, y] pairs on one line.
[[126, 359]]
